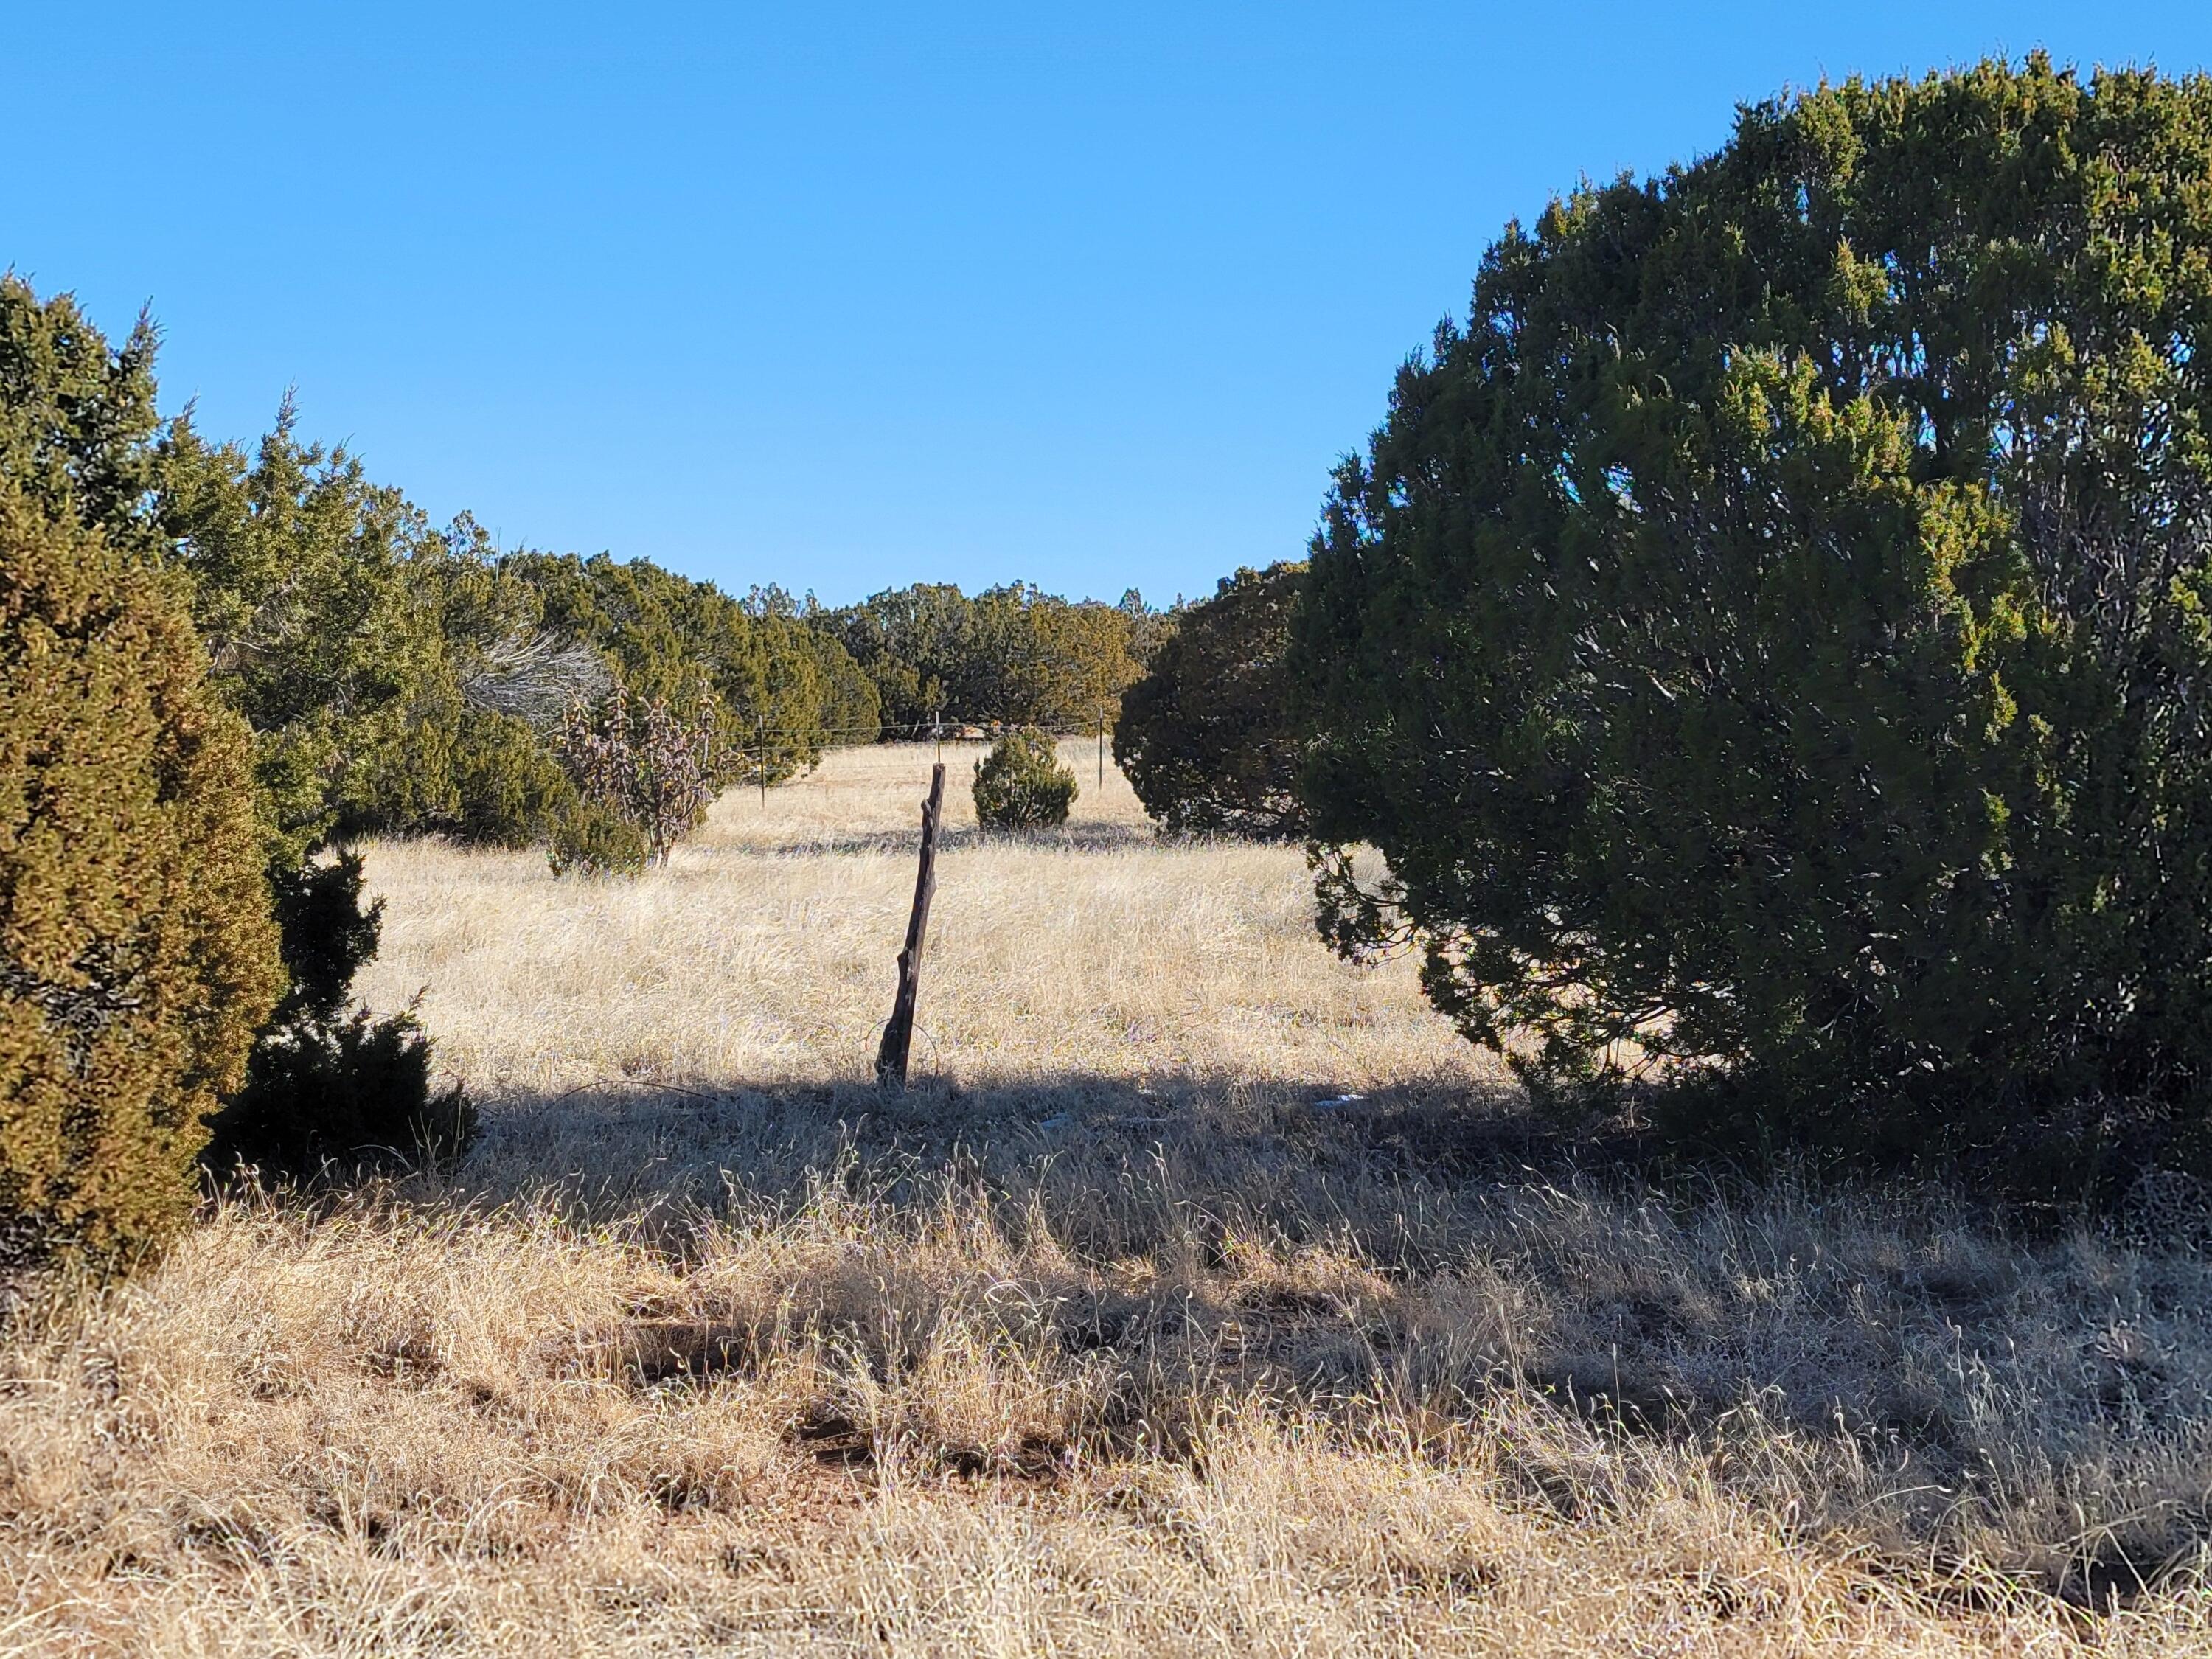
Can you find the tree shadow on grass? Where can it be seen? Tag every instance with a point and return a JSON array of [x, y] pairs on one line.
[[1118, 1164], [1218, 1238]]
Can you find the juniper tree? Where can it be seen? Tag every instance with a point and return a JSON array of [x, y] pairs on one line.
[[1022, 784], [1205, 737], [1772, 630], [137, 955]]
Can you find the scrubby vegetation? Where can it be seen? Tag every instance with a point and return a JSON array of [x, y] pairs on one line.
[[1022, 784], [399, 678], [643, 766], [1766, 640], [766, 687], [1126, 1330], [311, 588], [1207, 737]]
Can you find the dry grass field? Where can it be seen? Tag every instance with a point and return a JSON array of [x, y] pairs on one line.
[[1204, 1297]]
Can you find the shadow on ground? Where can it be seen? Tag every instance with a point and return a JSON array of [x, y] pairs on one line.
[[1422, 1250], [625, 1145]]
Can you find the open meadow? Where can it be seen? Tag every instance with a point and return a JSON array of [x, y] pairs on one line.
[[1207, 1295]]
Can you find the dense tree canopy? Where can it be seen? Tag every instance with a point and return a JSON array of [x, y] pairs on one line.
[[1012, 655], [353, 636], [1773, 629], [769, 674], [1205, 737]]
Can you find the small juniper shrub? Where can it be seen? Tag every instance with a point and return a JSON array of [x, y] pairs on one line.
[[644, 779], [330, 1086], [340, 1097], [1022, 785]]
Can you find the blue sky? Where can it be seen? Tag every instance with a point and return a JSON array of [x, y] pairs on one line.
[[842, 297]]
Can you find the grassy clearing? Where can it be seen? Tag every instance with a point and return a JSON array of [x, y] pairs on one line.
[[1115, 1336]]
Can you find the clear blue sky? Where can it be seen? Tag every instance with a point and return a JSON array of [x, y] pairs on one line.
[[845, 296]]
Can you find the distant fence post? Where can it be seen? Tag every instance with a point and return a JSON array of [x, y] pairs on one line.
[[762, 725], [1101, 750], [898, 1034]]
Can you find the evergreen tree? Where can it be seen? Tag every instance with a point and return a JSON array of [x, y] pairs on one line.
[[769, 687], [1769, 636], [292, 564], [1012, 655], [1022, 784], [138, 956], [1205, 737]]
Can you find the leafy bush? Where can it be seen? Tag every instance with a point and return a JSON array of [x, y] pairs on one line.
[[642, 764], [136, 952], [1205, 737], [1770, 638], [1021, 784]]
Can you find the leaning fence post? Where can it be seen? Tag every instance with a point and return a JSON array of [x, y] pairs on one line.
[[898, 1034]]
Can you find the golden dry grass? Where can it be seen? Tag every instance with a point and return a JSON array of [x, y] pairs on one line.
[[1111, 1337]]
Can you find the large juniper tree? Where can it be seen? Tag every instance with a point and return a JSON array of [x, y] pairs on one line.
[[1774, 628]]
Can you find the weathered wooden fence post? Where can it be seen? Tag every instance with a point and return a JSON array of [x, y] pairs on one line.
[[898, 1034]]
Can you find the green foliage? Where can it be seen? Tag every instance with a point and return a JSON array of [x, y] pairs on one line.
[[1012, 655], [77, 418], [342, 629], [746, 673], [328, 1084], [1205, 736], [1774, 628], [137, 953], [375, 658], [1148, 628], [1022, 785], [340, 1097]]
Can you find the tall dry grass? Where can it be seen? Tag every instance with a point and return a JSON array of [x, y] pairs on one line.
[[1205, 1295]]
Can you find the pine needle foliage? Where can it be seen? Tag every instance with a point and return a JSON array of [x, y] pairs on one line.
[[137, 954], [1769, 641], [1021, 783]]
